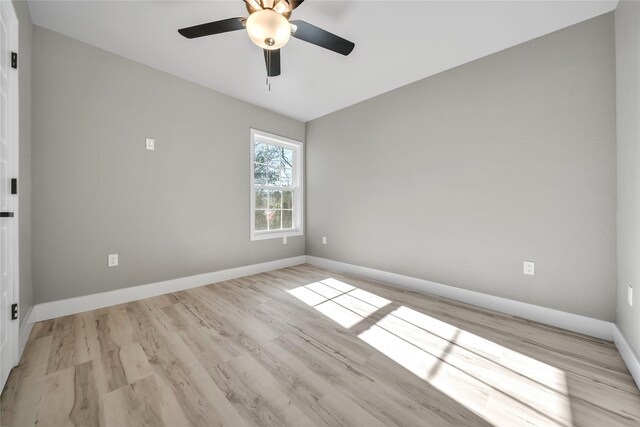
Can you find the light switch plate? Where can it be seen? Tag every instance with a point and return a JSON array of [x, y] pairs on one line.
[[112, 260], [151, 144], [529, 268], [284, 240], [630, 296]]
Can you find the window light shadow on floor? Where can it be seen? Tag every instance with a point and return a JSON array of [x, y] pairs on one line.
[[491, 380]]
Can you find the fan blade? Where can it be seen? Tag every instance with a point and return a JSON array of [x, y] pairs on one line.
[[319, 37], [217, 27], [272, 61]]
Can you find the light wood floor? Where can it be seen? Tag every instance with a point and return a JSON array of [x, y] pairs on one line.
[[306, 346]]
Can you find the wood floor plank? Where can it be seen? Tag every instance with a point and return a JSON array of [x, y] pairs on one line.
[[203, 340], [57, 398], [308, 346], [86, 397], [257, 396], [35, 360], [62, 353], [120, 329], [143, 403], [135, 363], [21, 400], [314, 395], [110, 353], [86, 345], [227, 317], [201, 400], [43, 329]]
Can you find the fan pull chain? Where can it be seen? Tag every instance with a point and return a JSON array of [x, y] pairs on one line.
[[268, 69]]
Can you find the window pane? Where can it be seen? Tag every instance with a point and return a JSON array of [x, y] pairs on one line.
[[275, 199], [287, 219], [260, 220], [274, 218], [286, 177], [260, 173], [262, 199], [274, 152], [273, 172], [287, 157], [287, 199], [260, 154], [273, 159]]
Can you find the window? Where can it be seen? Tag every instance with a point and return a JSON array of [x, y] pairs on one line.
[[276, 186]]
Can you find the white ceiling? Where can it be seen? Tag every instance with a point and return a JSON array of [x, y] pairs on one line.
[[397, 42]]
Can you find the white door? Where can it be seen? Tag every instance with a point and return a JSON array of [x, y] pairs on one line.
[[8, 201]]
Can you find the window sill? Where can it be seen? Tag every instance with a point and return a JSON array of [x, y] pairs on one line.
[[275, 235]]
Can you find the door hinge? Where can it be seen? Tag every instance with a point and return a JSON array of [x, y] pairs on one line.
[[14, 311], [14, 185], [14, 60]]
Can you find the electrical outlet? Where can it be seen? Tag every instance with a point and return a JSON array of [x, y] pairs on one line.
[[630, 296], [112, 260], [529, 268], [151, 144], [284, 240], [324, 240]]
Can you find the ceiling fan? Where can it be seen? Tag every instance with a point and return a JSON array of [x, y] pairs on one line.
[[269, 27]]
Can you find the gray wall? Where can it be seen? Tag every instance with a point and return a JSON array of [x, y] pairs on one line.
[[627, 18], [462, 176], [24, 166], [177, 211]]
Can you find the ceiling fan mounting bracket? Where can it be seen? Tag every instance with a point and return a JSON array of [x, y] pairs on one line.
[[254, 6]]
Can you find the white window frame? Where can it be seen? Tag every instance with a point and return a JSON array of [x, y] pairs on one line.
[[298, 185]]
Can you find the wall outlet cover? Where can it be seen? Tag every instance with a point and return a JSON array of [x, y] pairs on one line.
[[284, 240], [529, 268], [324, 240], [112, 260]]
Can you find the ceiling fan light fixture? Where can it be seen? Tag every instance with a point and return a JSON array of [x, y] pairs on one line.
[[268, 29]]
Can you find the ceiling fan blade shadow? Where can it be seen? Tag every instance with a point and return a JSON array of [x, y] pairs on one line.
[[319, 37], [216, 27], [272, 62]]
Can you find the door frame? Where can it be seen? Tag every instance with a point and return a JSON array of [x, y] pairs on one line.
[[14, 135]]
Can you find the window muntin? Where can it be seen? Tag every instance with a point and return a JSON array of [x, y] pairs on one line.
[[276, 199]]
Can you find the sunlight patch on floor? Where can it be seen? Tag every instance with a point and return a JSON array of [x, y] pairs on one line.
[[339, 301], [484, 376]]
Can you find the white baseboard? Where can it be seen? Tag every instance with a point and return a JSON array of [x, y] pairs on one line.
[[630, 357], [572, 322], [53, 309], [25, 330]]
